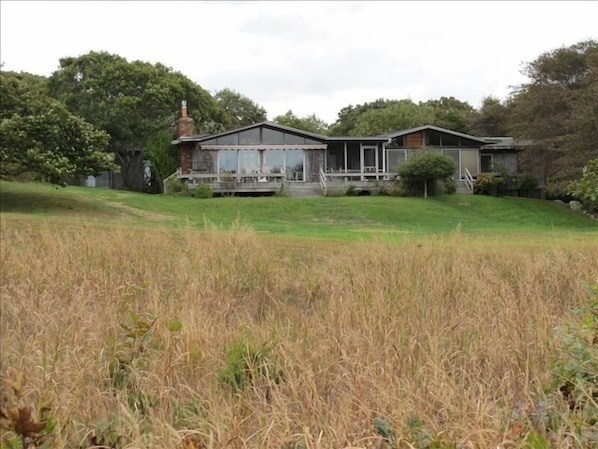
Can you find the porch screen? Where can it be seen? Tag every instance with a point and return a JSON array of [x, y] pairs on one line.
[[395, 158], [469, 161], [454, 155]]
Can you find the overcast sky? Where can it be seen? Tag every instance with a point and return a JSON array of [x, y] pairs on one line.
[[308, 56]]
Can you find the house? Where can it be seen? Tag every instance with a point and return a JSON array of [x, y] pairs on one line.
[[263, 157]]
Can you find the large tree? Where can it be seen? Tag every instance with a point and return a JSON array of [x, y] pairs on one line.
[[350, 115], [491, 119], [398, 114], [310, 123], [38, 135], [451, 113], [242, 110], [557, 110], [132, 101]]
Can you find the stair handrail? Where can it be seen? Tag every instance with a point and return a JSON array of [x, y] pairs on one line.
[[468, 180]]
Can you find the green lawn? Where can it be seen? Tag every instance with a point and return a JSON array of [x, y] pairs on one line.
[[346, 218]]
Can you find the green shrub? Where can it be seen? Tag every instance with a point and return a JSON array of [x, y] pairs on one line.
[[420, 174], [586, 189], [177, 187], [335, 189], [203, 191], [351, 190], [489, 184], [527, 182], [248, 365], [449, 186], [569, 406]]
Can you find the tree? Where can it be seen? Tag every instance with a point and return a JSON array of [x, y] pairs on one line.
[[450, 113], [132, 101], [311, 123], [163, 159], [492, 119], [349, 116], [558, 112], [242, 110], [398, 114], [424, 171], [586, 189], [39, 135]]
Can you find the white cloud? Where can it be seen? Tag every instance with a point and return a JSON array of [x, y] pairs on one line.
[[311, 57]]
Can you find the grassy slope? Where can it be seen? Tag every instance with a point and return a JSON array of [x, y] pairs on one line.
[[346, 218]]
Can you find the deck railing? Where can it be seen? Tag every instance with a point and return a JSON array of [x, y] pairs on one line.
[[323, 182]]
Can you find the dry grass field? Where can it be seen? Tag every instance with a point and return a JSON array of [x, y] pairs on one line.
[[121, 337]]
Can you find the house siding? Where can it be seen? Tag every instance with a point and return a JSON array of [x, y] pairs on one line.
[[205, 161], [314, 160]]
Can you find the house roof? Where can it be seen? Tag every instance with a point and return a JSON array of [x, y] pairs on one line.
[[357, 138], [490, 142], [404, 132], [272, 125], [504, 143]]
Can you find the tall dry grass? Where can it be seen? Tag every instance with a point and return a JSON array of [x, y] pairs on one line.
[[452, 331]]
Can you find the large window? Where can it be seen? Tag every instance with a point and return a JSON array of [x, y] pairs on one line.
[[227, 161], [273, 161], [290, 162], [249, 161], [295, 161]]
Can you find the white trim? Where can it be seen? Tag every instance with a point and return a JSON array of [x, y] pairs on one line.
[[306, 146]]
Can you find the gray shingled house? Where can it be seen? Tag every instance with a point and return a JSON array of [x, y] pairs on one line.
[[264, 157]]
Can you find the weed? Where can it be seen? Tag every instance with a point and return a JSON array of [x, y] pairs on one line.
[[248, 365], [130, 359], [20, 428]]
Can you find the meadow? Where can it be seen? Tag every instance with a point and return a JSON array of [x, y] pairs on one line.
[[132, 321]]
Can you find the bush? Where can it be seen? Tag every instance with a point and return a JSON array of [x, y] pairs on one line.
[[351, 190], [527, 182], [203, 191], [420, 174], [247, 365], [335, 189], [489, 184], [177, 187], [586, 189]]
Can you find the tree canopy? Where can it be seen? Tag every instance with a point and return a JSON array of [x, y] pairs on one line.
[[310, 123], [242, 110], [40, 136], [132, 101], [492, 119], [557, 110], [384, 115]]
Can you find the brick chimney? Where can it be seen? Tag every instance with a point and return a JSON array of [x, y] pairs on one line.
[[185, 127]]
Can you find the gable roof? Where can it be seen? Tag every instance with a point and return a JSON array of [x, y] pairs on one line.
[[404, 132], [265, 124]]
